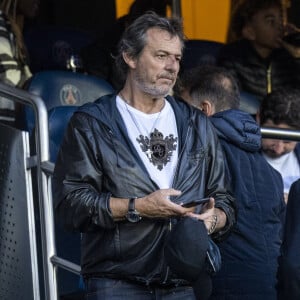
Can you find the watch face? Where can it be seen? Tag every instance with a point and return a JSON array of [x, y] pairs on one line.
[[133, 216]]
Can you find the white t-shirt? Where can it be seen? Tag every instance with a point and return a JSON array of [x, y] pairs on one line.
[[288, 166], [159, 153]]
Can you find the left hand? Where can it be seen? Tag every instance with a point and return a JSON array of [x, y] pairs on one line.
[[293, 50], [211, 215]]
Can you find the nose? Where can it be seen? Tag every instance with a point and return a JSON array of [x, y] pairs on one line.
[[172, 63], [280, 28], [278, 146]]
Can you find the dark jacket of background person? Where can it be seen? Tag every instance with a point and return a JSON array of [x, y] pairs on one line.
[[250, 254], [289, 264], [251, 71], [122, 249]]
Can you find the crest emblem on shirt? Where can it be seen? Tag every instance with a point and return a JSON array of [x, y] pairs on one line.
[[70, 95], [158, 149]]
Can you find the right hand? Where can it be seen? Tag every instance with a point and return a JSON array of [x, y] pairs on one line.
[[159, 205]]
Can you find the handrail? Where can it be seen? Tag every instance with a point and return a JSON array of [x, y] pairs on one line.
[[44, 189], [65, 264], [276, 133]]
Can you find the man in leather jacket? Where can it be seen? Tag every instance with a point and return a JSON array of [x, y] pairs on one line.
[[130, 162]]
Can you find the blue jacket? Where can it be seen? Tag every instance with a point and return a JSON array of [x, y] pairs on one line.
[[250, 254], [289, 266]]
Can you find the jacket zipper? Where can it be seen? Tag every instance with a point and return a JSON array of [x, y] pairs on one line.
[[269, 79], [165, 278], [180, 154]]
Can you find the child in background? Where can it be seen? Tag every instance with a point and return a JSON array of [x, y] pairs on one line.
[[259, 59]]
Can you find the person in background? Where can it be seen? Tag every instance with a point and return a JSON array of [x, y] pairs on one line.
[[260, 59], [14, 68], [250, 253], [289, 262], [281, 109], [129, 164]]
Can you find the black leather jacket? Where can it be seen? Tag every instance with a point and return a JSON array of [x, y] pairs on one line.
[[97, 161]]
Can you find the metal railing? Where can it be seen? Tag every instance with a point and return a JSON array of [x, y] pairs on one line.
[[284, 134], [43, 183]]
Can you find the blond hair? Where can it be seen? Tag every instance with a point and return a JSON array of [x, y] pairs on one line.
[[9, 8]]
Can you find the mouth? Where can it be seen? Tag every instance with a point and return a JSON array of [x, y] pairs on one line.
[[167, 78]]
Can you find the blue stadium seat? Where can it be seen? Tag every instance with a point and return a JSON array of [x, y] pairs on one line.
[[200, 52], [64, 88], [58, 118]]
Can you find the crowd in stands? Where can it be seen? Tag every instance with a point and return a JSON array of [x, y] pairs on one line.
[[260, 256]]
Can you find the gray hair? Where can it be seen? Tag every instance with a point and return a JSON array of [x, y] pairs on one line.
[[134, 38]]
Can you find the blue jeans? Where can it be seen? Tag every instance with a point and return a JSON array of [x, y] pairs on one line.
[[115, 289]]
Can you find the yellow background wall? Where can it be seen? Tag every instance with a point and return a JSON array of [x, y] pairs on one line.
[[203, 19]]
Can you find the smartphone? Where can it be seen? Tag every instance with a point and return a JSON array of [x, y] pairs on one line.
[[196, 202]]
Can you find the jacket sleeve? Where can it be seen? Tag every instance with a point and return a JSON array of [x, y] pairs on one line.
[[10, 72], [289, 263], [80, 203], [218, 185]]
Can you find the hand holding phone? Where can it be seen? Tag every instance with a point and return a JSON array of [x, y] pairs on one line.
[[196, 202]]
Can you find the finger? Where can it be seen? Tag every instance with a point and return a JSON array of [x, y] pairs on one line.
[[211, 203], [196, 216], [171, 192]]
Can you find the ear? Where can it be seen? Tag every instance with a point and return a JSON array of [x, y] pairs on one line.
[[249, 33], [129, 60], [208, 108]]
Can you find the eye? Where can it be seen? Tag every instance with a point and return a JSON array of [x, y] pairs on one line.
[[161, 56]]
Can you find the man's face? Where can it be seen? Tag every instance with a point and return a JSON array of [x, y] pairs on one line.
[[276, 148], [155, 70], [266, 27]]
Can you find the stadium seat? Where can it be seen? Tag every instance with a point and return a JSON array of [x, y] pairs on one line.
[[64, 88], [58, 118]]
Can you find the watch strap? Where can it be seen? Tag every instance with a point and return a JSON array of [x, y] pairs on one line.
[[131, 204]]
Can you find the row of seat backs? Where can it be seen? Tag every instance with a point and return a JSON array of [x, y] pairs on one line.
[[50, 47]]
